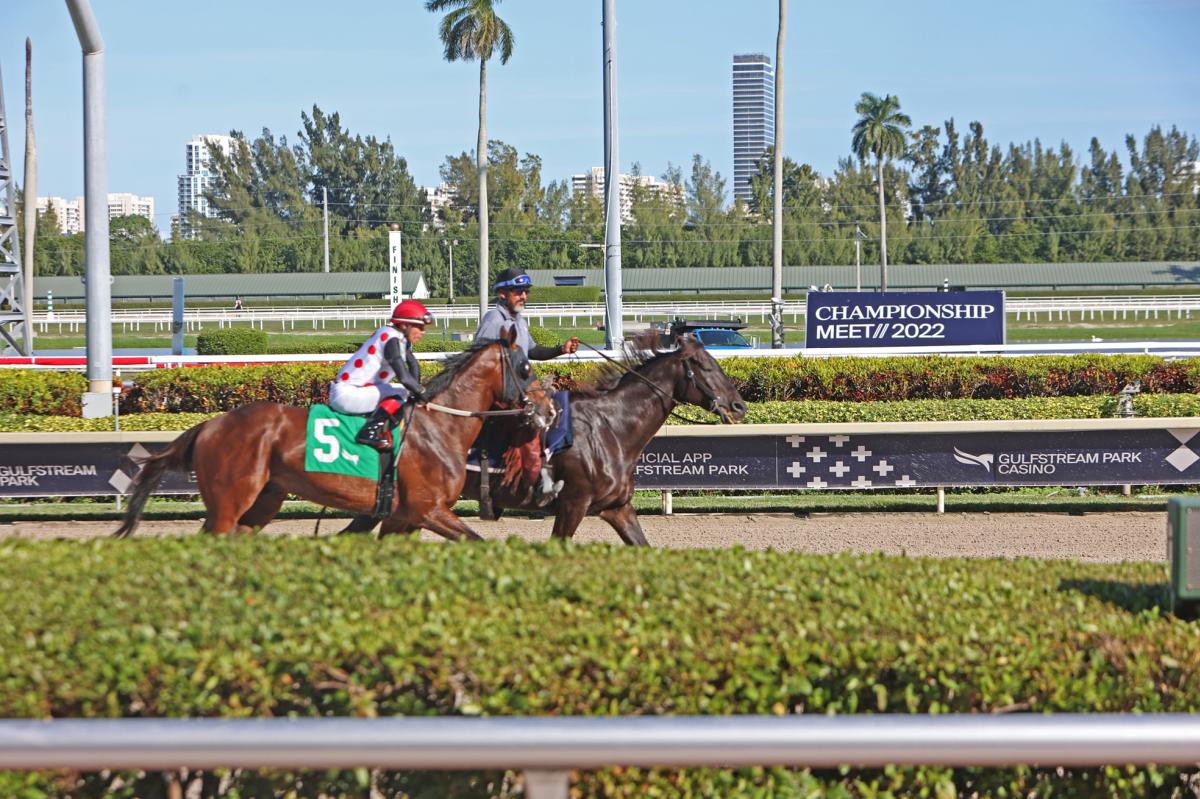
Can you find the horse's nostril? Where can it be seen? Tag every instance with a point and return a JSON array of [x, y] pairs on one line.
[[739, 407]]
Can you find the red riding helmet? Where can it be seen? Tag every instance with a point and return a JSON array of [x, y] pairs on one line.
[[411, 312]]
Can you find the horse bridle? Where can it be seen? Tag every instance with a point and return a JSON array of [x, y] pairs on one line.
[[688, 374]]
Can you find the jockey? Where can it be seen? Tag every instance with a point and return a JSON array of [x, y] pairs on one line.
[[512, 290], [363, 384]]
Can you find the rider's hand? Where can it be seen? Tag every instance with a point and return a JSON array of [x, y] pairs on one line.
[[570, 346]]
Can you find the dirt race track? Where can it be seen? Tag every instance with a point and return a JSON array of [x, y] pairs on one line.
[[1098, 537]]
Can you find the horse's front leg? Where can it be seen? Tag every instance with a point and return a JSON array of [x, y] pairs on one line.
[[625, 521], [446, 523]]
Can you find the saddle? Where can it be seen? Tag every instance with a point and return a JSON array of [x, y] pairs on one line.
[[330, 447]]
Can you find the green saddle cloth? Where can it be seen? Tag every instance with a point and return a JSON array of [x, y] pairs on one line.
[[330, 445]]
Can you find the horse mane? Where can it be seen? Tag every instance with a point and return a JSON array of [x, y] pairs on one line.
[[636, 353], [456, 363]]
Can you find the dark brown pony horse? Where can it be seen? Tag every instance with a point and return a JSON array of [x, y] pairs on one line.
[[248, 460], [612, 426]]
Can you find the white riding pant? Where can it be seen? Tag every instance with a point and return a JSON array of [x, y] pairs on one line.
[[347, 398]]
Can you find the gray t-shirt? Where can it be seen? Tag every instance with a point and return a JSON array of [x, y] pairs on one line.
[[500, 319]]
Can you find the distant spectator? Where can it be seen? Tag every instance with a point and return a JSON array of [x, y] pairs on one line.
[[945, 284], [237, 303], [827, 287]]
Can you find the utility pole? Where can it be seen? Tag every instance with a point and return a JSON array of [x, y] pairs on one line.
[[30, 193], [97, 401], [858, 234], [777, 217], [451, 242], [614, 325], [325, 205]]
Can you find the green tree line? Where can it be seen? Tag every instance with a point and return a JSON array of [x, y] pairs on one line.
[[951, 196]]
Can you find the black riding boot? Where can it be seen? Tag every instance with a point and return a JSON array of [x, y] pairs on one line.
[[375, 432]]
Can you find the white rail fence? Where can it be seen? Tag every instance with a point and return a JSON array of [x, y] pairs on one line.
[[321, 317], [546, 748]]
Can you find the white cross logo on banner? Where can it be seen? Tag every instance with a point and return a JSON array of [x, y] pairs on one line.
[[905, 482], [839, 468], [883, 468], [816, 454], [795, 441], [862, 453], [817, 482], [795, 470], [861, 482], [838, 441]]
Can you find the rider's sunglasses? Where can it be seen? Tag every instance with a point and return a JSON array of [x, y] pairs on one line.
[[515, 290]]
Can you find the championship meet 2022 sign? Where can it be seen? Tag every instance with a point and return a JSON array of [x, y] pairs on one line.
[[838, 319]]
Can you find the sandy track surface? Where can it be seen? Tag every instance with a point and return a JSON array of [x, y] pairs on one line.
[[1099, 537]]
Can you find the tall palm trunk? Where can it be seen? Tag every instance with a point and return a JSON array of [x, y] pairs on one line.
[[882, 233], [481, 161]]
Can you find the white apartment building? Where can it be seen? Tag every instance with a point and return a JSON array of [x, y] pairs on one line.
[[130, 205], [592, 182], [70, 213], [198, 178], [437, 199], [753, 117]]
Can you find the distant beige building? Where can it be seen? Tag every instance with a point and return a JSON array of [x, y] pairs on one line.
[[70, 213], [437, 199], [592, 183]]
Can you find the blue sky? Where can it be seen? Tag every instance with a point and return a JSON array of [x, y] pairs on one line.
[[1062, 70]]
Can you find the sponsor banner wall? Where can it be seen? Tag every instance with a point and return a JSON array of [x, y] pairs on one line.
[[784, 461], [872, 460], [903, 319], [79, 470]]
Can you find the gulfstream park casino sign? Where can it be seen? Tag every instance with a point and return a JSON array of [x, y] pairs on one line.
[[904, 319]]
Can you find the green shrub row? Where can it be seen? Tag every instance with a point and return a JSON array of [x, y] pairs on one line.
[[232, 341], [208, 627], [816, 412], [758, 379], [941, 377]]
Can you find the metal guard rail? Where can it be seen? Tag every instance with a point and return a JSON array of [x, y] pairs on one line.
[[548, 743], [1015, 305]]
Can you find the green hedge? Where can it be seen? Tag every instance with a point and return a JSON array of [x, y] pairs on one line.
[[817, 412], [210, 627], [232, 341], [758, 380], [942, 377], [38, 391]]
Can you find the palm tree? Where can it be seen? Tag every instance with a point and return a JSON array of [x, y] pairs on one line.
[[472, 30], [879, 132]]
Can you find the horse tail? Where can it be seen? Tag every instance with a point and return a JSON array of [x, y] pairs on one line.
[[177, 456]]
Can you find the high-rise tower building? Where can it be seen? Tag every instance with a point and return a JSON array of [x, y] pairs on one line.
[[198, 178], [753, 117]]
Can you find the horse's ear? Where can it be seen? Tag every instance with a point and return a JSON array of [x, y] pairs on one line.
[[509, 337]]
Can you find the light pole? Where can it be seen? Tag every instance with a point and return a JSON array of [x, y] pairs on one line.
[[451, 243]]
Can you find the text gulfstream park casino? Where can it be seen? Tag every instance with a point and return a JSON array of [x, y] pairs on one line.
[[897, 319]]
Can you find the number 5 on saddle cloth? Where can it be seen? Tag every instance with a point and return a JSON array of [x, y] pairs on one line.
[[330, 447]]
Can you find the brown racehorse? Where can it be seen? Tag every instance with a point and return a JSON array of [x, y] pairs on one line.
[[611, 428], [248, 460]]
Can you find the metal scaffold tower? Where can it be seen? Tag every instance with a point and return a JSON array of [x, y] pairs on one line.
[[14, 333]]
